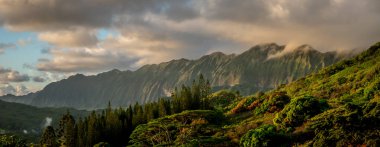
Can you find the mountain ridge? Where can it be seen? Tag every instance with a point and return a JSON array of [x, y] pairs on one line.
[[248, 72]]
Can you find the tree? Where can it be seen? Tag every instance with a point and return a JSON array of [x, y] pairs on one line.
[[48, 138], [67, 132]]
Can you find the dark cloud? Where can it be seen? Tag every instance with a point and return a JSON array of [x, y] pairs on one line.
[[45, 50], [58, 14], [15, 76], [9, 75], [38, 79], [4, 46], [15, 90], [4, 70], [242, 11]]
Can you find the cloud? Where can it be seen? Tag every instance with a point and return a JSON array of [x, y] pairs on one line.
[[40, 15], [4, 46], [48, 121], [83, 60], [38, 79], [72, 38], [152, 31], [24, 42], [10, 89], [9, 75]]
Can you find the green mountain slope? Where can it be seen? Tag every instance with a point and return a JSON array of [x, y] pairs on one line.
[[29, 121], [248, 72], [336, 106]]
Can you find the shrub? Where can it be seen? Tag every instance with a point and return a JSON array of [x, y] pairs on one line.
[[243, 105], [342, 80], [266, 135], [221, 99], [348, 125], [102, 144], [273, 103], [299, 110], [187, 127], [11, 141]]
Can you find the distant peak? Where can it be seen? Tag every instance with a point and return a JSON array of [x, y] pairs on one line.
[[76, 76], [304, 47], [267, 45], [217, 54], [115, 71]]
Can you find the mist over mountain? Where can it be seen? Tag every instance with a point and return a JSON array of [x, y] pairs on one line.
[[256, 69]]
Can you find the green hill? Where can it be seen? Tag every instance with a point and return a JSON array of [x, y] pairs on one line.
[[29, 121], [336, 106]]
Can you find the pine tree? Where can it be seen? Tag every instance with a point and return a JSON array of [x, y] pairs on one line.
[[162, 108], [48, 138], [81, 139], [66, 132], [93, 133]]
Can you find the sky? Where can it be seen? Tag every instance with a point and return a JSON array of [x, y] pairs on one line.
[[42, 41]]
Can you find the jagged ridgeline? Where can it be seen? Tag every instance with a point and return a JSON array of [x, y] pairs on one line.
[[254, 70]]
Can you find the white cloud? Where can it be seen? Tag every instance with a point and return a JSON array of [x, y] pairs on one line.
[[48, 121], [10, 89], [73, 38]]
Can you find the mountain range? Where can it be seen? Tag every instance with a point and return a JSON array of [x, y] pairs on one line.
[[260, 68]]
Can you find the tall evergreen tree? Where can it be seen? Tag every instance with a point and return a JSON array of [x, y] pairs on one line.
[[66, 132], [48, 138]]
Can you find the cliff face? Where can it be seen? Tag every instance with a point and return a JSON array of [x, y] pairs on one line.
[[248, 72]]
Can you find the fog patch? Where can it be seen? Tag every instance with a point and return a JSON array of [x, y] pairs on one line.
[[48, 121]]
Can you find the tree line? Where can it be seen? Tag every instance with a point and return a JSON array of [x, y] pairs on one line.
[[114, 126]]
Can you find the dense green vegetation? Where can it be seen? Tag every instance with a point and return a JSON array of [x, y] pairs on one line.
[[28, 122], [347, 125], [265, 135], [299, 110], [337, 106], [114, 126], [189, 128], [11, 141]]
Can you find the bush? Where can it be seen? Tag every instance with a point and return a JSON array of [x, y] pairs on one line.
[[187, 127], [243, 105], [11, 141], [275, 102], [299, 110], [221, 99], [348, 125], [342, 80], [102, 144], [266, 135]]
